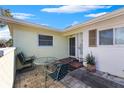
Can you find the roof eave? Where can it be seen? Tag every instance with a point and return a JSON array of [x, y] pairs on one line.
[[22, 22], [97, 19]]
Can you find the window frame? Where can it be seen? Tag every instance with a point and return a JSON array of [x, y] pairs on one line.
[[115, 36], [98, 36], [114, 44], [44, 40]]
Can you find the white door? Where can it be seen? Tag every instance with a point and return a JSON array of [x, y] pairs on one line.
[[79, 45]]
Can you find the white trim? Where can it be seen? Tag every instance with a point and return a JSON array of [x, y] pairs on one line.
[[76, 45], [81, 44], [97, 38]]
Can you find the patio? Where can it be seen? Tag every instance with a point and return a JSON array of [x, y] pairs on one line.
[[35, 79], [98, 79], [78, 78]]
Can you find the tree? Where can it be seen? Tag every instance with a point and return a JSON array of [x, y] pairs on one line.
[[9, 43], [5, 12], [3, 43]]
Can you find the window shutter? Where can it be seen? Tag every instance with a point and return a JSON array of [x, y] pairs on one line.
[[92, 38]]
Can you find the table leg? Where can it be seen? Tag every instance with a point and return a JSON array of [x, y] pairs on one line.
[[46, 76]]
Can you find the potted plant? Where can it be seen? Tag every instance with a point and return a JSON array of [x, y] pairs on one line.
[[90, 60]]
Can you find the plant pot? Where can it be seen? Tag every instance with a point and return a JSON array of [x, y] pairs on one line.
[[91, 68]]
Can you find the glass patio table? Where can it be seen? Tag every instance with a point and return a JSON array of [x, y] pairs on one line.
[[45, 62]]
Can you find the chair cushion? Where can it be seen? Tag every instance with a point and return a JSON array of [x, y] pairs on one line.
[[60, 72], [53, 75]]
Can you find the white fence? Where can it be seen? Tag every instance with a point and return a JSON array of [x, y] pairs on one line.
[[7, 67]]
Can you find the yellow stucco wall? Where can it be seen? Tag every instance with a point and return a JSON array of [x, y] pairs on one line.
[[26, 40]]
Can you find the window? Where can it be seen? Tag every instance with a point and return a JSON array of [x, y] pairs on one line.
[[119, 35], [92, 38], [106, 37], [45, 40]]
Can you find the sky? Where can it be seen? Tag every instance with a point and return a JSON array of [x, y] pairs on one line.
[[59, 16]]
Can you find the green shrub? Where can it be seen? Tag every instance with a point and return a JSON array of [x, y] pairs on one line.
[[90, 59]]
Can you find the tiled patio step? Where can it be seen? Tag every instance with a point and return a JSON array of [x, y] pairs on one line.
[[72, 62]]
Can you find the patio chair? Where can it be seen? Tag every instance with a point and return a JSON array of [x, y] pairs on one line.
[[26, 61], [60, 72]]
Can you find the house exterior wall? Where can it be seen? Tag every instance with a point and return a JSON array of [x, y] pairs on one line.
[[26, 40], [109, 58]]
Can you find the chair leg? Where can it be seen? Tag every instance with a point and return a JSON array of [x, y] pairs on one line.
[[33, 65], [45, 80]]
